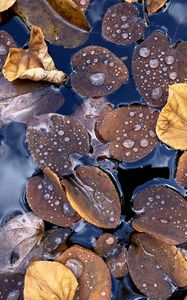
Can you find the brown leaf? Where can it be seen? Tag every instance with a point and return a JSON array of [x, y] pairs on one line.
[[55, 28], [155, 266], [6, 42], [171, 127], [48, 200], [17, 238], [6, 4], [117, 264], [121, 24], [35, 63], [92, 273], [154, 5], [11, 287], [181, 174], [93, 195], [105, 245], [55, 241], [129, 132], [54, 139], [47, 280], [161, 212]]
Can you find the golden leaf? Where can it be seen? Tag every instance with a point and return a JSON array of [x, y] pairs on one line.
[[47, 280], [6, 4], [171, 125], [34, 63], [154, 5]]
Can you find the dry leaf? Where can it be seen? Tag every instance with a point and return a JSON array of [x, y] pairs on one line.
[[171, 126], [46, 280], [154, 5], [6, 4], [17, 238], [34, 63]]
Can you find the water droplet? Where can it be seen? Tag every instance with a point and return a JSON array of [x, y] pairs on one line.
[[156, 93], [144, 143], [110, 241], [154, 63], [67, 139], [60, 132], [124, 35], [46, 196], [97, 79], [50, 187], [76, 266], [123, 18], [128, 143], [137, 127], [144, 52], [68, 210], [173, 75], [39, 187], [164, 221], [170, 60]]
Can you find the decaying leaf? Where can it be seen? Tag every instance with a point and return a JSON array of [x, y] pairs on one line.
[[48, 200], [181, 174], [6, 42], [93, 195], [70, 11], [161, 212], [122, 25], [47, 280], [171, 127], [155, 266], [128, 131], [17, 238], [6, 4], [55, 28], [106, 245], [154, 5], [35, 63], [11, 287], [91, 272], [54, 139]]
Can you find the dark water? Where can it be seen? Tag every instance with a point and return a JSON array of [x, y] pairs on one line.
[[159, 167]]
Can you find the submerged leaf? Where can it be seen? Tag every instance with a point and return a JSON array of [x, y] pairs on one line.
[[47, 280], [6, 4], [171, 126], [17, 238], [34, 63]]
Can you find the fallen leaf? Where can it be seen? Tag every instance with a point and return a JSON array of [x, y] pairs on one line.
[[54, 140], [48, 200], [106, 245], [122, 25], [91, 272], [6, 42], [70, 11], [55, 28], [155, 266], [171, 127], [117, 263], [6, 4], [83, 4], [181, 174], [161, 212], [11, 287], [93, 195], [47, 280], [55, 241], [34, 64], [17, 238], [154, 5]]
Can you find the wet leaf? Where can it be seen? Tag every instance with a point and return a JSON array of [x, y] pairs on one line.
[[6, 42], [83, 4], [154, 5], [161, 212], [17, 238], [92, 273], [156, 64], [129, 132], [6, 4], [106, 245], [55, 28], [11, 287], [117, 264], [35, 63], [155, 266], [171, 126], [47, 280], [122, 25], [181, 174], [93, 195], [98, 72], [48, 200], [70, 11], [53, 140]]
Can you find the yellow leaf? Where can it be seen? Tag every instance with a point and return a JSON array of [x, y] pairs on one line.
[[47, 280], [34, 63], [171, 126], [6, 4], [154, 5]]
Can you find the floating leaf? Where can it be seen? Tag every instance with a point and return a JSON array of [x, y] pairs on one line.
[[98, 72], [129, 132], [93, 195], [105, 245], [48, 200], [121, 24], [35, 63], [92, 273], [53, 140], [181, 174], [6, 4], [55, 240], [55, 28], [6, 42], [155, 266], [155, 65], [162, 213], [154, 5], [17, 238], [70, 11], [11, 287], [117, 264], [47, 280], [171, 127]]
